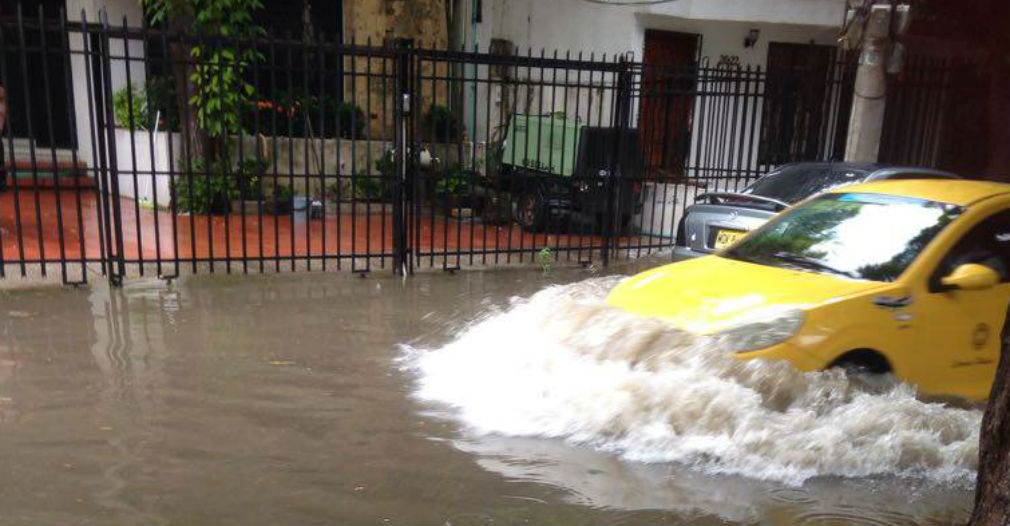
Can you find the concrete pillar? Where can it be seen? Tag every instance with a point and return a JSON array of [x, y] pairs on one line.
[[867, 117]]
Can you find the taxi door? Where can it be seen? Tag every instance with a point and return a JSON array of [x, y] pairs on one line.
[[961, 329]]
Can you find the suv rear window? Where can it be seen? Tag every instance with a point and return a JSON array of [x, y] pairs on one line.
[[795, 183]]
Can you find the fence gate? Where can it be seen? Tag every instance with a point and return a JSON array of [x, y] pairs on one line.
[[143, 151], [515, 158]]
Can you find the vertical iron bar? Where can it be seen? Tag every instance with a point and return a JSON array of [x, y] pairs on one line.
[[242, 178], [261, 163], [187, 152], [225, 159], [621, 104], [338, 180], [115, 278], [277, 207], [97, 141], [307, 133], [72, 122], [369, 166], [31, 143], [291, 145], [385, 179], [44, 54], [8, 131], [320, 49], [154, 162], [132, 127], [172, 175], [353, 190]]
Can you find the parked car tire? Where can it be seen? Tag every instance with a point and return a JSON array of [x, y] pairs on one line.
[[531, 212]]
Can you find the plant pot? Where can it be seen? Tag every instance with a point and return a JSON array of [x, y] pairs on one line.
[[452, 203], [277, 207], [220, 205], [247, 207], [461, 213]]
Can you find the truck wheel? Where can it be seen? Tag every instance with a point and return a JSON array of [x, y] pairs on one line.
[[530, 212]]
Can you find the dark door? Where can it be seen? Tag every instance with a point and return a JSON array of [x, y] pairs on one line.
[[666, 101], [795, 102], [26, 67]]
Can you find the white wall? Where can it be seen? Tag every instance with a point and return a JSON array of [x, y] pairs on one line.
[[90, 10], [151, 171], [587, 26]]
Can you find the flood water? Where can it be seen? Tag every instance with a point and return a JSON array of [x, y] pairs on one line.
[[477, 398]]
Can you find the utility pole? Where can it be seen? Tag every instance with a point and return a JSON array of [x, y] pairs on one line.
[[873, 28]]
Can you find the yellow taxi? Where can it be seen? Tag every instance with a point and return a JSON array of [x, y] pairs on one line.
[[910, 277]]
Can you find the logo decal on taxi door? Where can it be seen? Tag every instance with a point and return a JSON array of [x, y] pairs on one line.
[[980, 336]]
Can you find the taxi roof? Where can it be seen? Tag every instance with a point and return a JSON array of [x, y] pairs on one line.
[[952, 191]]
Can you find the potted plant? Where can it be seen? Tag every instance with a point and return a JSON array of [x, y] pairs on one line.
[[248, 197], [148, 107], [453, 190], [352, 120], [440, 124], [366, 187], [282, 200], [206, 189]]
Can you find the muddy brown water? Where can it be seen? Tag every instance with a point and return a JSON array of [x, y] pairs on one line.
[[283, 400]]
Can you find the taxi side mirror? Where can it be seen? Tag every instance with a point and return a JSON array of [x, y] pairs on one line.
[[971, 276]]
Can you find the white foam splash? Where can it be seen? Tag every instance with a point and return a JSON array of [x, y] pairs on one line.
[[563, 364]]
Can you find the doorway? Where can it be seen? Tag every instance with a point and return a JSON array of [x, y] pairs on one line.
[[796, 103], [667, 98], [31, 106]]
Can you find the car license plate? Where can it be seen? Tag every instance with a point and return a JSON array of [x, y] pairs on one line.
[[725, 238]]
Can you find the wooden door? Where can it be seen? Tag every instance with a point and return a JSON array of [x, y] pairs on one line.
[[666, 101]]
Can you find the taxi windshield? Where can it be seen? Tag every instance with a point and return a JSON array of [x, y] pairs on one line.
[[856, 235]]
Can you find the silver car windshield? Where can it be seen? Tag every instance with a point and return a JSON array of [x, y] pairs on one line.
[[793, 184], [858, 235]]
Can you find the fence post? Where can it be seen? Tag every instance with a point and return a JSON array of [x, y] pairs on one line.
[[621, 112], [110, 190], [401, 147]]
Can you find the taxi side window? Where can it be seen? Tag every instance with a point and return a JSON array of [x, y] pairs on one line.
[[988, 243]]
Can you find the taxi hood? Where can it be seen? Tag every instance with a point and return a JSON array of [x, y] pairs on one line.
[[709, 294]]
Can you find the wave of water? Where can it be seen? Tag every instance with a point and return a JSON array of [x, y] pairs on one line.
[[563, 364]]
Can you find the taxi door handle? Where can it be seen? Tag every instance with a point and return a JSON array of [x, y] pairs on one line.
[[890, 302]]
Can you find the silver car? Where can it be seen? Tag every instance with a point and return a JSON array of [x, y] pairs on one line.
[[717, 219]]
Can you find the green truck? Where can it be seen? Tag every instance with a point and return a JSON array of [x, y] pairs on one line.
[[558, 171]]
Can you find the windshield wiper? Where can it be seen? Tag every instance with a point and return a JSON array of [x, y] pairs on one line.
[[810, 263], [735, 254]]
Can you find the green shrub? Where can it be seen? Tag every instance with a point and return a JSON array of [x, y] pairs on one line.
[[299, 115], [156, 99], [440, 124], [361, 187], [208, 189], [250, 174], [161, 97], [130, 106], [352, 120], [386, 165], [367, 187], [283, 199], [455, 180]]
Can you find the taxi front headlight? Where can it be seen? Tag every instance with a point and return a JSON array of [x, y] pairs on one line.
[[763, 331]]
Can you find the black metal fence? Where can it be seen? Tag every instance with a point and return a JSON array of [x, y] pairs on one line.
[[130, 154]]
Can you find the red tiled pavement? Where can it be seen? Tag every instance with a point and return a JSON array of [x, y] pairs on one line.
[[149, 235]]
